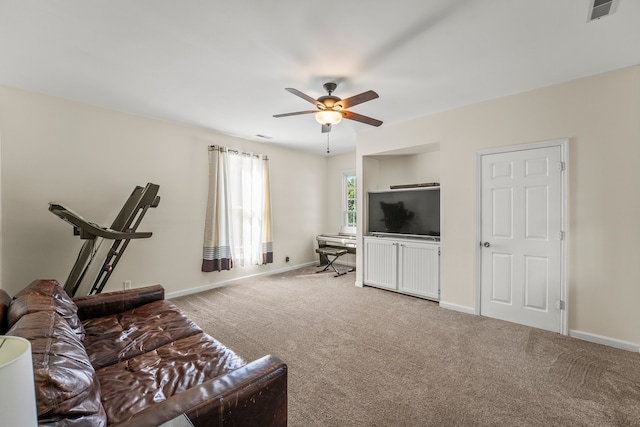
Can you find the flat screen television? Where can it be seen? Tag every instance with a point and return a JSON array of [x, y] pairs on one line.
[[407, 211]]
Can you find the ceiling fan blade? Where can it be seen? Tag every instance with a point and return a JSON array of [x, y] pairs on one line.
[[296, 113], [360, 118], [326, 128], [302, 95], [358, 99]]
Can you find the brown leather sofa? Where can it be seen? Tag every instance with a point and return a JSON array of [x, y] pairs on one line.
[[132, 358]]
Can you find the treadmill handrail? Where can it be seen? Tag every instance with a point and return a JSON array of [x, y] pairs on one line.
[[141, 198], [90, 230]]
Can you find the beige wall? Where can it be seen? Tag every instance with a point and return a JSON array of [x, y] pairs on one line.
[[91, 158], [600, 117]]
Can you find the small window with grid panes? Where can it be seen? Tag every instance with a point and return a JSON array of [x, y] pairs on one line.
[[349, 199]]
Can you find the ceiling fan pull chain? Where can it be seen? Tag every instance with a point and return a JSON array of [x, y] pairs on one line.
[[328, 143]]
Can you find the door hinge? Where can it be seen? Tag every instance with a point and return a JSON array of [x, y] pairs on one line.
[[559, 305], [560, 235], [560, 166]]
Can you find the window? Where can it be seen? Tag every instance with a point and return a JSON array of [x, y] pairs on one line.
[[349, 195]]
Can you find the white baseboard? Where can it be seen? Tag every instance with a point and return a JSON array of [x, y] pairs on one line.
[[227, 282], [599, 339], [456, 307], [586, 336], [197, 289]]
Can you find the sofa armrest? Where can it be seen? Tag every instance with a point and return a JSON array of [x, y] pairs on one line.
[[116, 302], [255, 394]]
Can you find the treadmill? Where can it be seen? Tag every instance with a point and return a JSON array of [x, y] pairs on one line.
[[122, 231]]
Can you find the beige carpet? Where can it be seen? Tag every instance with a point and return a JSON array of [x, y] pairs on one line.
[[369, 357]]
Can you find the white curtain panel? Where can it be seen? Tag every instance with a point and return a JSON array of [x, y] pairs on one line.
[[217, 255], [238, 228]]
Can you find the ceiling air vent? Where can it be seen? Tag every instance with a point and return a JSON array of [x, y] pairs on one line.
[[600, 8]]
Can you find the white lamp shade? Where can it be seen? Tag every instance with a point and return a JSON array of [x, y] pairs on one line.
[[17, 392], [328, 117]]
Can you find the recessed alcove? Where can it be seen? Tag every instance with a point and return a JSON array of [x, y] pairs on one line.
[[411, 165], [403, 263]]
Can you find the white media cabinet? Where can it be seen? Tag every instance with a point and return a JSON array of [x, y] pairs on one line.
[[407, 265]]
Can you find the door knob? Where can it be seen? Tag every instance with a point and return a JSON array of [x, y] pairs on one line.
[[486, 244]]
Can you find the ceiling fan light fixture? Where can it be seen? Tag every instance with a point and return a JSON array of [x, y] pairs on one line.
[[332, 109], [328, 117]]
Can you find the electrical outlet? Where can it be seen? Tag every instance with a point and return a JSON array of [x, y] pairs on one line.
[[126, 284], [287, 259]]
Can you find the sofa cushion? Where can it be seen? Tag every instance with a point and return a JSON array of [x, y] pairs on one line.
[[45, 295], [159, 374], [67, 390], [112, 339]]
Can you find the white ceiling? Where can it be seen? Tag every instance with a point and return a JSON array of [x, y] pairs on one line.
[[223, 65]]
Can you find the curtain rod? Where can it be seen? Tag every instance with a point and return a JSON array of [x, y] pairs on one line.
[[233, 151]]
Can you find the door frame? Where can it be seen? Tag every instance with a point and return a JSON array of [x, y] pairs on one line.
[[564, 153]]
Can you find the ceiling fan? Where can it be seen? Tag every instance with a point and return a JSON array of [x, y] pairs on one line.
[[331, 109]]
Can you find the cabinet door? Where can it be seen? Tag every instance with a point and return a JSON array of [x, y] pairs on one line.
[[380, 263], [419, 269]]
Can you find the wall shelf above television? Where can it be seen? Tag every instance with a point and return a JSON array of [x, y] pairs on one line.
[[422, 185]]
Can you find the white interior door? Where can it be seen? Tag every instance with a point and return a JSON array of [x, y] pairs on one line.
[[521, 236]]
